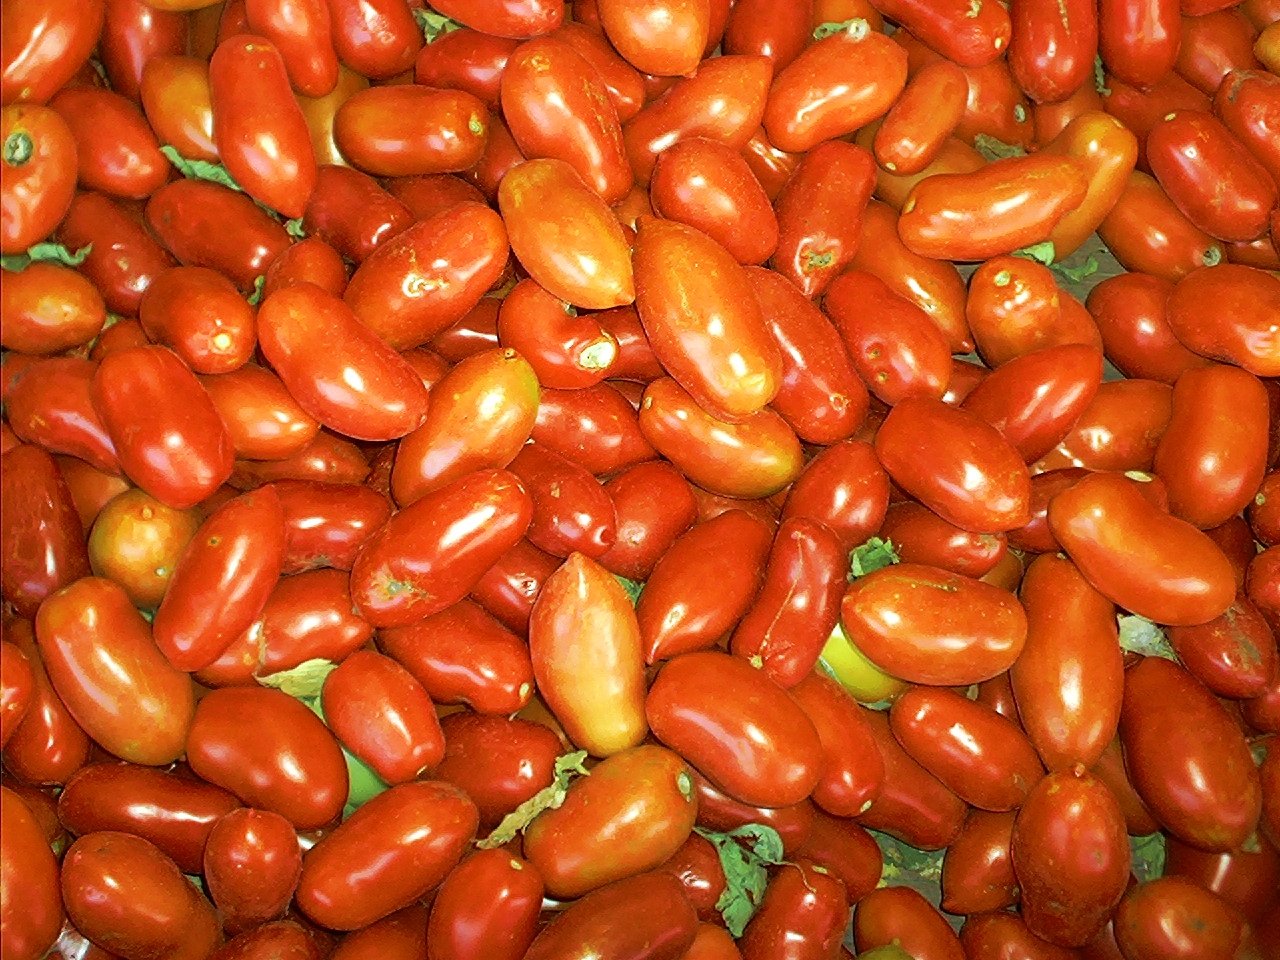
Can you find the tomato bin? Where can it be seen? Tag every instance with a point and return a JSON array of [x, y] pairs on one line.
[[640, 480]]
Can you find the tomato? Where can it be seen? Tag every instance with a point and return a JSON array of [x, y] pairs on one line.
[[288, 763], [660, 37], [836, 85], [852, 768], [1263, 514], [178, 104], [1015, 307], [31, 907], [352, 213], [1233, 655], [17, 689], [312, 261], [1197, 777], [371, 131], [163, 914], [1212, 46], [757, 456], [645, 917], [1172, 917], [697, 866], [201, 316], [970, 35], [320, 112], [1119, 430], [375, 38], [1139, 42], [50, 406], [1138, 556], [326, 459], [1108, 151], [571, 510], [921, 536], [400, 936], [1004, 936], [977, 873], [802, 917], [953, 216], [48, 746], [465, 59], [1247, 102], [263, 419], [137, 541], [919, 123], [49, 308], [117, 152], [251, 864], [300, 31], [487, 906], [1147, 233], [653, 505], [845, 488], [1243, 879], [45, 46], [1051, 119], [565, 236], [123, 259], [567, 350], [723, 100], [902, 916], [462, 655], [281, 938], [1051, 47], [1228, 313], [39, 164], [702, 703], [508, 589], [582, 602], [1130, 312]]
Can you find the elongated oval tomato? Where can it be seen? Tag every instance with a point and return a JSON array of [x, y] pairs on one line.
[[996, 209], [1137, 555], [1139, 42], [488, 906], [1052, 46], [913, 804], [45, 45], [737, 727], [351, 212], [17, 689], [261, 416], [404, 129], [583, 625], [200, 315], [302, 32], [1071, 857], [1130, 310], [117, 152], [977, 874], [222, 580], [971, 34], [852, 767], [1108, 150], [919, 123], [374, 38], [1173, 916], [804, 913], [1233, 655], [658, 37], [899, 918], [571, 510], [566, 349], [287, 762], [339, 371], [389, 853], [121, 690], [630, 815], [921, 536], [39, 163], [175, 97], [1146, 232], [1248, 103], [926, 625], [702, 320], [1228, 313], [835, 86], [49, 308], [957, 465], [1195, 773], [30, 921]]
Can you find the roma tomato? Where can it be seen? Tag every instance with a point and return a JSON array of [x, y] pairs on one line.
[[702, 705], [1228, 313], [1213, 45], [498, 761], [565, 236], [375, 38], [263, 419], [326, 459], [251, 863], [1052, 46], [488, 906], [567, 350], [137, 541], [431, 553], [1108, 151], [802, 917], [1139, 42], [326, 524], [49, 308], [852, 768], [971, 36], [389, 853], [926, 625], [311, 260], [583, 625], [658, 37], [902, 916], [508, 589], [31, 907], [702, 321], [1130, 312], [133, 703], [17, 689], [653, 505], [301, 31], [45, 45], [697, 866], [845, 488], [404, 129], [200, 315], [1175, 918], [1147, 233], [339, 371], [123, 260], [1196, 776], [1002, 936], [1119, 430], [179, 107], [919, 123], [977, 873], [39, 165], [921, 536], [1248, 103], [465, 59], [116, 151], [1233, 655], [350, 211], [288, 763], [571, 510]]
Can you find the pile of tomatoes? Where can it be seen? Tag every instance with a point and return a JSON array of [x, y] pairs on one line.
[[634, 480]]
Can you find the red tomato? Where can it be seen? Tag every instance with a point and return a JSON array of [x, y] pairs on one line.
[[970, 35], [175, 97], [17, 689], [1228, 313], [702, 705], [1147, 233], [1003, 936], [921, 536], [1212, 46], [919, 123], [845, 488], [326, 459], [405, 129], [510, 18], [1246, 880], [1248, 103], [1139, 556], [488, 906], [199, 314], [1108, 151], [465, 59], [803, 916], [375, 38], [300, 30], [312, 261], [287, 762], [977, 873], [263, 419], [1196, 775], [697, 866], [401, 936], [389, 853], [567, 350], [660, 37], [571, 510], [45, 45], [350, 211], [31, 907], [251, 864], [1175, 919], [902, 916], [1052, 46], [39, 165], [1139, 42], [48, 746], [123, 260], [49, 308], [163, 913], [117, 152], [852, 768], [1130, 312], [653, 505]]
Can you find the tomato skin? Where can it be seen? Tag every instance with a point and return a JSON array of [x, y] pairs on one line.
[[1248, 104], [834, 86], [174, 91], [382, 714], [582, 600], [565, 236], [645, 917], [697, 866], [658, 38], [1172, 917], [251, 864], [1197, 777], [375, 38], [1052, 47], [928, 112], [48, 746], [1005, 936], [1246, 881], [802, 917], [31, 922], [173, 812], [1108, 151], [902, 916], [124, 259], [1139, 42], [508, 589], [45, 46], [488, 906], [117, 152], [310, 260], [977, 873], [653, 505], [1226, 313], [50, 406], [724, 100], [17, 689], [48, 309], [1233, 655], [300, 30], [1125, 545], [1130, 312], [486, 410], [326, 459], [289, 763], [371, 130], [1119, 430], [199, 314], [1147, 233], [518, 19], [1184, 144], [39, 165], [950, 216], [1212, 46], [970, 36], [466, 59], [261, 416], [845, 488], [351, 212], [163, 915], [571, 511], [699, 706], [567, 350], [852, 768]]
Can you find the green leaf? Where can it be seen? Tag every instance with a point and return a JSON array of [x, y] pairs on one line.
[[873, 555], [551, 797], [994, 149], [1100, 77], [632, 587], [200, 169], [46, 253], [303, 682], [746, 876], [1140, 635], [1148, 856], [434, 25], [259, 282], [1078, 272], [857, 28], [294, 228], [1039, 252], [905, 865]]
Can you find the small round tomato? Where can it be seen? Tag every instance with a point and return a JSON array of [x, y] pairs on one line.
[[488, 906], [39, 162], [137, 541], [977, 873], [251, 864], [31, 905], [1228, 313]]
